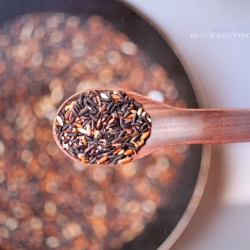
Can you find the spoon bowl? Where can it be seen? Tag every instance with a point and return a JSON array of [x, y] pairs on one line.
[[173, 126]]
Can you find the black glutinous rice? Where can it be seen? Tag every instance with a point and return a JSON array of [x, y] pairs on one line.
[[101, 127]]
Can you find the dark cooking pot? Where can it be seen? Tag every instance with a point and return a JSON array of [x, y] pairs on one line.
[[192, 173]]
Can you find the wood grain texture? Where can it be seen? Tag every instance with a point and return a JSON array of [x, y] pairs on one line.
[[174, 126]]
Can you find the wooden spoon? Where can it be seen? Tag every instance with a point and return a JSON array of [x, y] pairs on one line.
[[174, 126]]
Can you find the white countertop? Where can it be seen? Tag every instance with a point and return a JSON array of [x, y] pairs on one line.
[[213, 40]]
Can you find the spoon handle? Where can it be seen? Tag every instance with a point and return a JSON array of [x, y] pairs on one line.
[[202, 126]]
